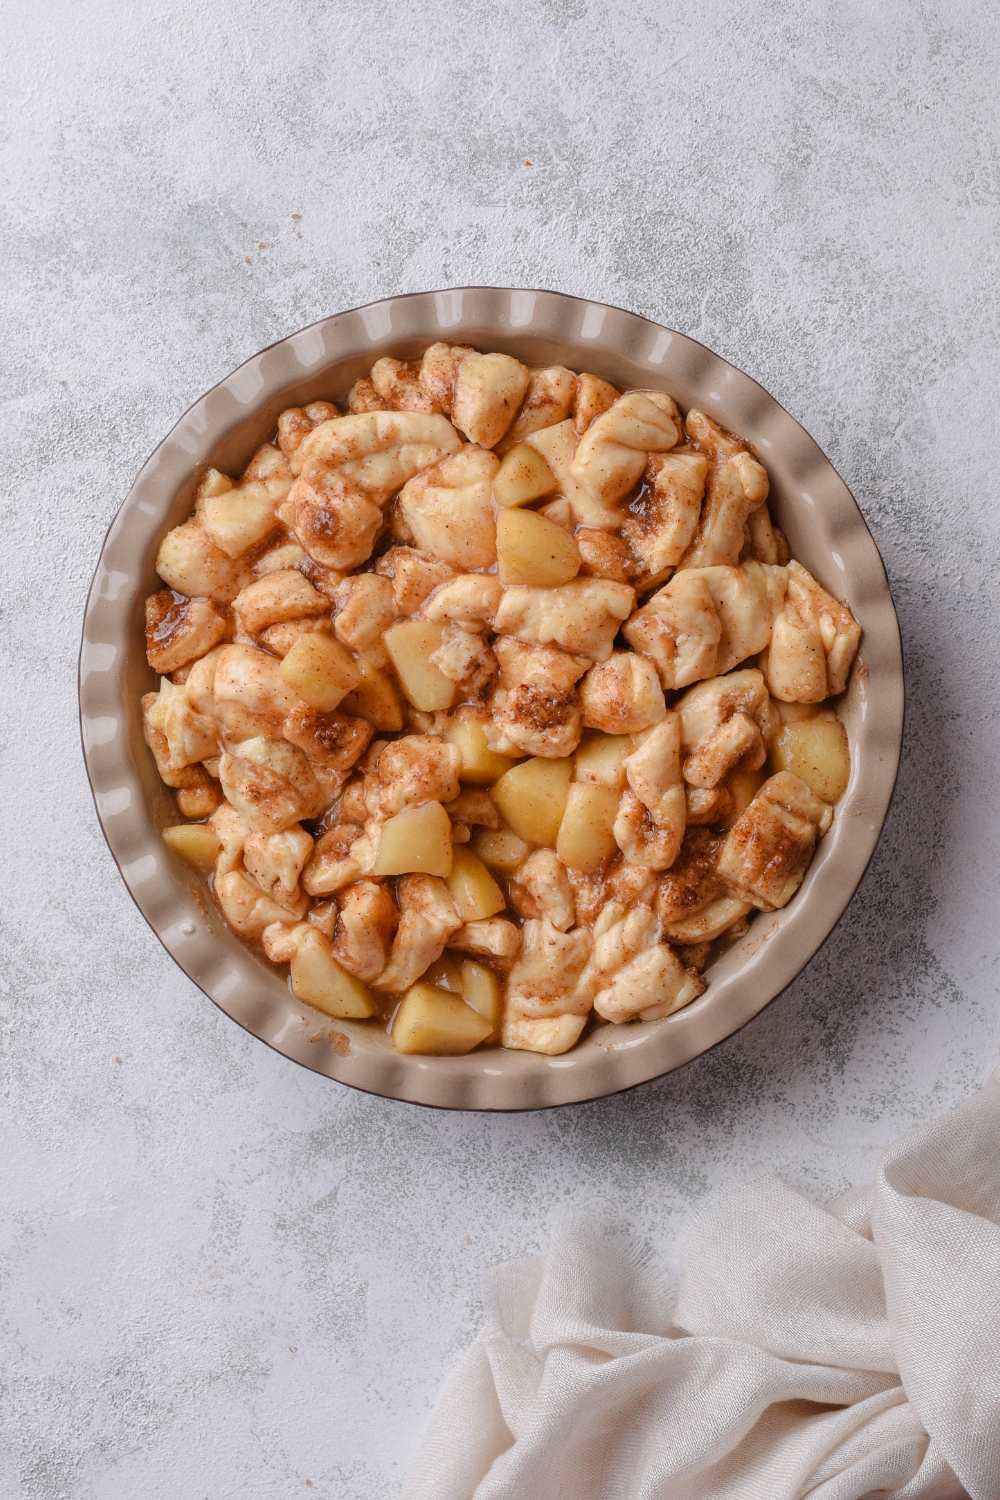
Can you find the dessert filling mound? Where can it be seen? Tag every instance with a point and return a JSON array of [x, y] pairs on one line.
[[495, 703]]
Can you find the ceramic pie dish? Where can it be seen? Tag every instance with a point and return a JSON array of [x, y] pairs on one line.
[[223, 429]]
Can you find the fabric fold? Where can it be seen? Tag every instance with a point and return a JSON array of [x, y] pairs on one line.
[[835, 1353]]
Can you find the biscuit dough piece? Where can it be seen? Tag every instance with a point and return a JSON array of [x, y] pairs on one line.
[[583, 616], [679, 630], [604, 555], [542, 889], [814, 641], [736, 484], [247, 909], [191, 563], [240, 516], [439, 371], [693, 880], [550, 1036], [180, 630], [652, 815], [707, 620], [724, 723], [250, 696], [331, 865], [768, 849], [427, 920], [335, 740], [409, 772], [471, 600], [415, 575], [592, 398], [276, 598], [536, 709], [334, 519], [633, 972], [489, 389], [270, 784], [366, 925], [663, 521], [547, 401], [449, 509], [398, 385], [463, 656], [622, 695], [544, 980], [297, 422], [493, 936], [654, 984], [377, 451], [365, 610], [189, 735], [613, 452], [276, 860]]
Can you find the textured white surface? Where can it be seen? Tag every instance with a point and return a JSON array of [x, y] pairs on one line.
[[222, 1276]]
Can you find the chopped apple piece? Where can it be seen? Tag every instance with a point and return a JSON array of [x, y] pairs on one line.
[[480, 765], [522, 477], [532, 798], [432, 1021], [411, 645], [474, 891], [320, 670], [196, 844], [376, 698], [815, 750], [446, 973], [417, 841], [482, 990], [743, 787], [502, 850], [319, 980], [600, 759], [585, 838], [533, 550]]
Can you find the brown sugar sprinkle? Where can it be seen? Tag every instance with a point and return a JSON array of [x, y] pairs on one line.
[[262, 246], [296, 216], [529, 164], [455, 774]]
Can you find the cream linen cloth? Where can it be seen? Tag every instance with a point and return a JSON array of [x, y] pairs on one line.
[[836, 1353]]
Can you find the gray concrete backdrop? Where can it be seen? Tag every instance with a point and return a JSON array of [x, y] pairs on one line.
[[221, 1276]]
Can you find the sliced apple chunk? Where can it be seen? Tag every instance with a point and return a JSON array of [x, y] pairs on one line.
[[600, 759], [481, 989], [585, 837], [474, 891], [196, 844], [433, 1021], [501, 849], [416, 842], [533, 550], [815, 750], [376, 698], [410, 645], [532, 798], [523, 476], [320, 671], [480, 765], [318, 980], [446, 973]]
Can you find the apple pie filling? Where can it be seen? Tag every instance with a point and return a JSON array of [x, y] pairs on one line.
[[496, 702]]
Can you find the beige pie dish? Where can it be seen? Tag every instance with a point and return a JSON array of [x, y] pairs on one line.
[[809, 501]]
